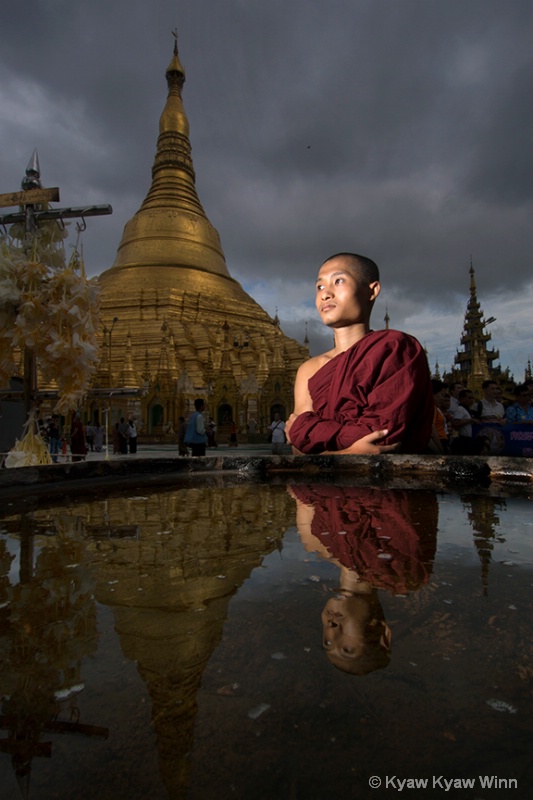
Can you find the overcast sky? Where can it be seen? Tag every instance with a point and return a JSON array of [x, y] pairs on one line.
[[400, 129]]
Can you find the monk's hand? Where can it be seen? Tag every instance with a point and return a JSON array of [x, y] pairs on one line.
[[368, 446]]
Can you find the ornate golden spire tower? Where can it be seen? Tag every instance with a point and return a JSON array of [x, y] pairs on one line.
[[474, 363], [170, 283]]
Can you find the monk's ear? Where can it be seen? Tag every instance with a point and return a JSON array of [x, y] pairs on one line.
[[375, 289], [386, 636]]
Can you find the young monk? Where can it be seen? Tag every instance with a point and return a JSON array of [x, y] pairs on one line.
[[372, 392]]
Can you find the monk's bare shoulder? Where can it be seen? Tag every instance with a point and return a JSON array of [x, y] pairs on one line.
[[302, 398], [308, 368]]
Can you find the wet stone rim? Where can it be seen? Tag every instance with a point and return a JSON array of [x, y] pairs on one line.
[[446, 470]]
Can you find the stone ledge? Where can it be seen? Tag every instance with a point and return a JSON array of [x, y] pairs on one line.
[[442, 470]]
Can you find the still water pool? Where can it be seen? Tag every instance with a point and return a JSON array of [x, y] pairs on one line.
[[231, 640]]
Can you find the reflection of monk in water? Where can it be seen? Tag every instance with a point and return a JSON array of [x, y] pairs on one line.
[[379, 539], [356, 637]]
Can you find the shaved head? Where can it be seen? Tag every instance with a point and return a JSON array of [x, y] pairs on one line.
[[365, 269]]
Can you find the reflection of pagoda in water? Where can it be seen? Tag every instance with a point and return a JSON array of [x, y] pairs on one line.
[[176, 325], [485, 523], [196, 547], [167, 566]]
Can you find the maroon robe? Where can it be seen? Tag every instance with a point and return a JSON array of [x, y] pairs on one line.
[[382, 381], [78, 445], [387, 536]]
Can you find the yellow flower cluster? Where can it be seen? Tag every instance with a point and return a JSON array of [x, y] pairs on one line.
[[50, 308], [31, 450]]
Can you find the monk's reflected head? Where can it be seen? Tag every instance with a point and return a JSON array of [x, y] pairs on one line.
[[346, 288], [356, 637]]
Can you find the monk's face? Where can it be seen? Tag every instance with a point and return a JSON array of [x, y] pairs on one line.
[[354, 640], [342, 298], [343, 625]]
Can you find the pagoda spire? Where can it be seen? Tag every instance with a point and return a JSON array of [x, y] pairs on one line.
[[475, 362], [171, 227]]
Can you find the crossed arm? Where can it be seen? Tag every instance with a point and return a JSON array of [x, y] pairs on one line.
[[366, 445]]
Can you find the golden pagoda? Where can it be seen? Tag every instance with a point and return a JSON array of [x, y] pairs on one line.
[[175, 324], [475, 362]]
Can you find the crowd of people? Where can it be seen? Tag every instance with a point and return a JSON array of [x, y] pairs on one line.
[[81, 439], [125, 436], [456, 412], [195, 435], [78, 438]]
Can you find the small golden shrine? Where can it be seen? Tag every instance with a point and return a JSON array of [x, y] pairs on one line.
[[175, 324]]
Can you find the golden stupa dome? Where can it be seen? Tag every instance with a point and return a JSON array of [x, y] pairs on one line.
[[171, 228]]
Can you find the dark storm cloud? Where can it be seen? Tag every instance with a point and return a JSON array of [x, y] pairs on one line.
[[398, 128], [501, 169], [385, 139]]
